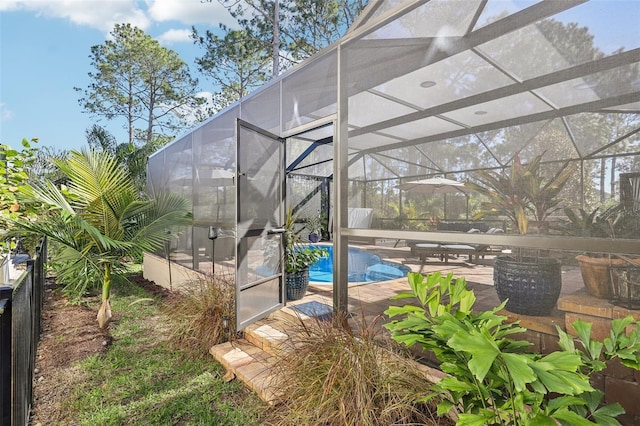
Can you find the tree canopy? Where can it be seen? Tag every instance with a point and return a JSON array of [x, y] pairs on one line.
[[272, 36], [141, 82]]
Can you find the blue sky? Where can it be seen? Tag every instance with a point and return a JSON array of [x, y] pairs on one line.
[[45, 47], [44, 53]]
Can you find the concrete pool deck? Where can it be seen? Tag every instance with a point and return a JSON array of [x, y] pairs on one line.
[[371, 299]]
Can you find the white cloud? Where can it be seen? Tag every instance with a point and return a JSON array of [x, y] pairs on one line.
[[174, 36], [5, 113], [208, 96], [103, 14], [9, 5], [190, 12], [96, 14]]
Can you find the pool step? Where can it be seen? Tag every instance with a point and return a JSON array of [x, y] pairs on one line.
[[386, 271]]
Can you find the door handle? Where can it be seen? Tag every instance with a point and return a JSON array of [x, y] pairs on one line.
[[276, 231]]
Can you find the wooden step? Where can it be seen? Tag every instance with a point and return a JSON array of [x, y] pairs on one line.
[[249, 364], [252, 358]]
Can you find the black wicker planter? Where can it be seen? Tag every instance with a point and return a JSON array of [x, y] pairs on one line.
[[531, 284], [297, 284]]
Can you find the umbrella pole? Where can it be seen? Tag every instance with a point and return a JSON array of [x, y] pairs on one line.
[[445, 206], [467, 197]]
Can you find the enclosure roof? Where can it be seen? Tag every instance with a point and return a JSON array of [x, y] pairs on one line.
[[424, 74], [486, 77]]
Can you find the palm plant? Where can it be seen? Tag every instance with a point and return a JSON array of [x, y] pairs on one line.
[[530, 284], [99, 219], [522, 192], [314, 224], [613, 222]]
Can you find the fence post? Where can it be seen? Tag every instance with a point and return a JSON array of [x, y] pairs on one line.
[[35, 332], [6, 295]]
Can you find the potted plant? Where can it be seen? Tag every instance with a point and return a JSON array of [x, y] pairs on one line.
[[530, 283], [298, 258], [314, 226], [598, 270]]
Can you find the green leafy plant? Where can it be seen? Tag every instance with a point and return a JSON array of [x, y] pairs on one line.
[[314, 224], [582, 223], [14, 176], [298, 256], [492, 379], [613, 222], [600, 269]]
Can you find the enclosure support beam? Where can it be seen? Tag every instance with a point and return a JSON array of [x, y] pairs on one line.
[[341, 195]]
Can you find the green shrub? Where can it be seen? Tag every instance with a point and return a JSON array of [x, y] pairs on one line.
[[298, 255], [15, 166], [492, 379]]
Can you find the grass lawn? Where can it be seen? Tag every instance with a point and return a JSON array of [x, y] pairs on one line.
[[142, 379]]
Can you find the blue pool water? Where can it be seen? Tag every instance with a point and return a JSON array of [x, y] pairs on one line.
[[363, 267]]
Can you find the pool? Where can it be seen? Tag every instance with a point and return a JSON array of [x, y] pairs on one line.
[[363, 267]]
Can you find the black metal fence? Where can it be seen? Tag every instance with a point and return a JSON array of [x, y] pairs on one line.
[[20, 314]]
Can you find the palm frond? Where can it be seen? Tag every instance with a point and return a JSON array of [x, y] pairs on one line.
[[47, 193], [164, 213], [95, 174], [100, 188], [100, 219]]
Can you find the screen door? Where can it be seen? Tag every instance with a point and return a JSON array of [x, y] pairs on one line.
[[259, 237]]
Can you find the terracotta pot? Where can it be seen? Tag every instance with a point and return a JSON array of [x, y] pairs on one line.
[[597, 274]]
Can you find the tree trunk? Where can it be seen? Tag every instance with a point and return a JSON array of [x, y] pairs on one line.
[[104, 313], [602, 175], [276, 39], [613, 177], [130, 111], [150, 122]]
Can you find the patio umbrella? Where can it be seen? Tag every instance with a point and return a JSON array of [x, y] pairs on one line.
[[435, 186]]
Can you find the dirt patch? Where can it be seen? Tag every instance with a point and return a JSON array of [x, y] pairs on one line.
[[152, 287], [70, 333]]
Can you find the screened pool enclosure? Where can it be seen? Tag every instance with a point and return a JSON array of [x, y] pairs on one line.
[[416, 90]]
